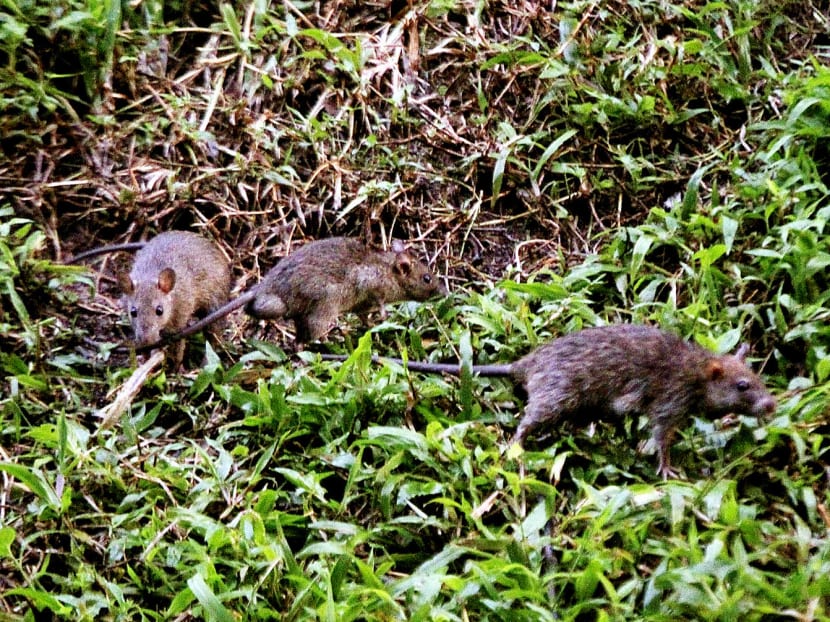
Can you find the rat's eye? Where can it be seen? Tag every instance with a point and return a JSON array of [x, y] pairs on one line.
[[742, 385], [159, 310], [133, 312], [427, 279]]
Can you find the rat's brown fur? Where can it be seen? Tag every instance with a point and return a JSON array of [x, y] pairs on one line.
[[175, 276], [622, 369]]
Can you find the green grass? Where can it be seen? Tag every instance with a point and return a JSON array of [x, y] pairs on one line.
[[603, 162]]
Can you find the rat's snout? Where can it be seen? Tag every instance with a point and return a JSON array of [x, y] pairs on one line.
[[144, 335], [765, 406]]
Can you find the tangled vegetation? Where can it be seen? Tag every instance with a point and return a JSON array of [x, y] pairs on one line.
[[560, 165]]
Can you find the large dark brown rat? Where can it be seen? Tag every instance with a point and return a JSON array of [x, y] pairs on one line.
[[627, 369], [321, 280], [175, 277]]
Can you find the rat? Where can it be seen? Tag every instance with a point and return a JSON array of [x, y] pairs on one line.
[[624, 369], [175, 276], [323, 279]]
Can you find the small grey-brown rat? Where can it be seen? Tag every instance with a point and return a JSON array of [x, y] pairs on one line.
[[323, 279], [625, 369], [175, 276]]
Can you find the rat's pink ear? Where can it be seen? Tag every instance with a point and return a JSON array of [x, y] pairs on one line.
[[714, 369], [167, 280], [403, 264], [125, 283], [743, 350]]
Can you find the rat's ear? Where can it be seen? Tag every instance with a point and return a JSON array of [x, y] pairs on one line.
[[714, 369], [167, 280], [403, 264], [743, 350], [125, 283]]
